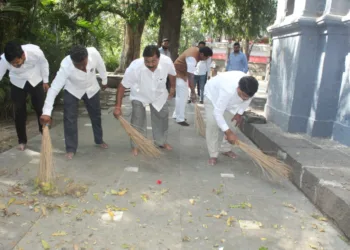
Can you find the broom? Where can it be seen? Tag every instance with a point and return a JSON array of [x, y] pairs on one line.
[[46, 167], [270, 166], [199, 121], [145, 145]]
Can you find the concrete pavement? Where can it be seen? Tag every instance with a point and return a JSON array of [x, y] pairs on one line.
[[196, 206]]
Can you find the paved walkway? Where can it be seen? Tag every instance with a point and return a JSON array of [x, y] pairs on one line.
[[229, 206]]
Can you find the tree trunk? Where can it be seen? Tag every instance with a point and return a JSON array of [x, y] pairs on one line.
[[246, 49], [131, 46], [170, 25]]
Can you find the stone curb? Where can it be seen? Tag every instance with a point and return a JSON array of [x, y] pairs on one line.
[[306, 178]]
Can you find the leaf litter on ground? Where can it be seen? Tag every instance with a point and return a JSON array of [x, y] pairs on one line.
[[242, 205], [121, 192]]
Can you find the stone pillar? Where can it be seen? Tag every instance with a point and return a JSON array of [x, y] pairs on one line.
[[341, 130], [293, 67], [307, 64], [331, 52]]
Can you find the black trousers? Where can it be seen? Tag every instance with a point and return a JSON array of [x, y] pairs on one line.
[[19, 97]]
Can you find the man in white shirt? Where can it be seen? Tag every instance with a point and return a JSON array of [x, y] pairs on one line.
[[185, 66], [201, 74], [29, 74], [164, 49], [229, 92], [146, 79], [77, 75]]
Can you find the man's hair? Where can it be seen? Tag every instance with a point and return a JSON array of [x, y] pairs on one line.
[[248, 85], [12, 51], [236, 44], [151, 50], [78, 53], [206, 51], [201, 42], [165, 40]]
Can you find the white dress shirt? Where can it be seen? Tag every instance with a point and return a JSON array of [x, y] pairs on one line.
[[146, 86], [221, 90], [203, 67], [165, 52], [76, 81], [34, 69]]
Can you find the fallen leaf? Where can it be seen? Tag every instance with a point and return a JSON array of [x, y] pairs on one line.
[[12, 200], [205, 226], [145, 197], [126, 246], [263, 248], [133, 203], [121, 192], [111, 214], [312, 246], [242, 205], [192, 201], [189, 213], [43, 210], [223, 213], [59, 233], [186, 239], [96, 196], [314, 226], [343, 238], [290, 206], [115, 208], [2, 206], [322, 230], [229, 221], [223, 240], [46, 245], [318, 217], [275, 226], [164, 191], [217, 216], [263, 239]]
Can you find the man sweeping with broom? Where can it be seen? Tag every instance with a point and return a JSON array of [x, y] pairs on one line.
[[229, 92], [146, 79], [77, 75]]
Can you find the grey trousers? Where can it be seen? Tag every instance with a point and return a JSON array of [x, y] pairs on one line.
[[71, 104], [159, 121]]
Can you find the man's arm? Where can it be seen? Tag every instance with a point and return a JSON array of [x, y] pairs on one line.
[[245, 63], [44, 66], [119, 96], [3, 67], [101, 67], [56, 86], [172, 79]]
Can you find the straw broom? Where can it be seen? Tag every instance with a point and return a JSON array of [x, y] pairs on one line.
[[199, 121], [46, 167], [145, 145], [270, 166]]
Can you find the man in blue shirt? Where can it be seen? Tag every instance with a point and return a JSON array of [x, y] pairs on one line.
[[237, 60]]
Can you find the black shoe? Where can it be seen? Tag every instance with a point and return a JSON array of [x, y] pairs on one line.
[[201, 102], [184, 123]]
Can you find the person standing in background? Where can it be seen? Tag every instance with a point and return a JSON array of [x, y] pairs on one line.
[[201, 74], [164, 50], [29, 74], [237, 60]]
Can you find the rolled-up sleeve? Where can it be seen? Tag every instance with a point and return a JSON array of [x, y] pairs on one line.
[[101, 67], [191, 64], [219, 109], [56, 86]]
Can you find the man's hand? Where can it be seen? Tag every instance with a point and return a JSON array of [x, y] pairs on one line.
[[45, 120], [104, 87], [46, 87], [230, 136], [117, 112], [238, 118], [171, 93], [193, 96]]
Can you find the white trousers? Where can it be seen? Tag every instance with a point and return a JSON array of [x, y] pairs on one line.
[[213, 134], [180, 100]]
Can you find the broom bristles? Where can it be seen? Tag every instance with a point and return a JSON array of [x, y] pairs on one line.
[[269, 165], [199, 121], [46, 167], [145, 145]]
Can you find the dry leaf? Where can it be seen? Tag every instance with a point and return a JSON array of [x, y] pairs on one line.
[[217, 216], [318, 217], [263, 239], [121, 192], [144, 197], [290, 206], [96, 196], [229, 221], [186, 239], [46, 245], [314, 226], [205, 226], [223, 213], [12, 200], [322, 230], [164, 191], [189, 213], [126, 246], [312, 246], [43, 210], [242, 205], [59, 233], [275, 226], [192, 201]]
